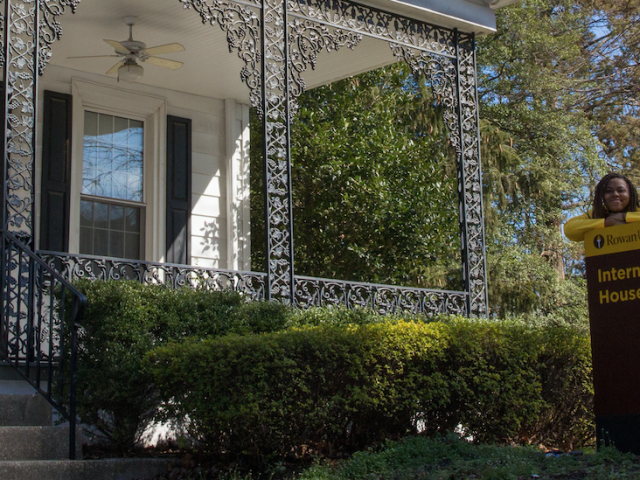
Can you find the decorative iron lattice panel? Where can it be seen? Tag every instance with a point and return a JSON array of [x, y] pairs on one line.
[[356, 18], [74, 267], [309, 291], [306, 40], [49, 28], [29, 28], [471, 183], [277, 161], [454, 86], [241, 24], [20, 50], [321, 292]]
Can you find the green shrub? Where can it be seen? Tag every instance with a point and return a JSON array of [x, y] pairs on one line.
[[343, 387], [125, 320]]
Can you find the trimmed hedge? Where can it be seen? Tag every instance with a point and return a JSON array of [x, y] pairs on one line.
[[124, 320], [263, 378], [337, 387]]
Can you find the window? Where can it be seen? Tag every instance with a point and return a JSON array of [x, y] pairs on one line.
[[111, 209], [118, 172]]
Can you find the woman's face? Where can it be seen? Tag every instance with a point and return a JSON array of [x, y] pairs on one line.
[[616, 195]]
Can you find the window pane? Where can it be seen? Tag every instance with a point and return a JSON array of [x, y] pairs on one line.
[[101, 242], [136, 136], [121, 129], [86, 214], [113, 157], [100, 215], [110, 230], [132, 217], [116, 218], [116, 244], [86, 240], [132, 245]]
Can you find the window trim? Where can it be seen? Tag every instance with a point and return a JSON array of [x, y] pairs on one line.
[[152, 111]]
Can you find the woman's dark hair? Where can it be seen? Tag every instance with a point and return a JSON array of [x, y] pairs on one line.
[[599, 210]]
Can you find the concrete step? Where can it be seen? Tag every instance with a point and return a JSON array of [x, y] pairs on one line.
[[13, 383], [107, 469], [37, 443], [24, 410]]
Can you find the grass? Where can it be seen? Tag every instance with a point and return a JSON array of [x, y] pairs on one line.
[[450, 458]]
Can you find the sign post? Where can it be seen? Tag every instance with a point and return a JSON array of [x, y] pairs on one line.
[[613, 285]]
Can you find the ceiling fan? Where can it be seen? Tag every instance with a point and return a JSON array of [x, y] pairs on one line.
[[131, 51]]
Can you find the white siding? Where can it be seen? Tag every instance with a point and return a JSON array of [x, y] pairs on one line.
[[210, 235]]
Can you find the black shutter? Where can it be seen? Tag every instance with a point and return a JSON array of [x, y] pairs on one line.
[[56, 172], [178, 189]]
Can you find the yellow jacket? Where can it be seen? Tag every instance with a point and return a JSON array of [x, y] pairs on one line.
[[576, 227]]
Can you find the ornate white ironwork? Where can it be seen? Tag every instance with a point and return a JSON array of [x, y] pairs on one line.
[[241, 24], [277, 40], [357, 18], [322, 292], [49, 28], [306, 40], [472, 223], [454, 86], [74, 267], [19, 75]]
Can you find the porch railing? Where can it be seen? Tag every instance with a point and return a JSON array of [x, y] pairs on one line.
[[308, 291], [321, 292], [37, 305], [75, 266]]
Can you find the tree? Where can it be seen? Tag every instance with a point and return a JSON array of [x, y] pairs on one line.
[[559, 95], [374, 183]]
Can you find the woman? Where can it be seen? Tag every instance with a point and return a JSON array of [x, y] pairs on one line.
[[615, 202]]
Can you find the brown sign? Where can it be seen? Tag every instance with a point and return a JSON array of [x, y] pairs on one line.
[[613, 284]]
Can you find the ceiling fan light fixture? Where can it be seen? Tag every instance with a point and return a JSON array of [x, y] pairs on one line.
[[130, 72]]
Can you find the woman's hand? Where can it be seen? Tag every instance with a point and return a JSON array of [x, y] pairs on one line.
[[615, 219]]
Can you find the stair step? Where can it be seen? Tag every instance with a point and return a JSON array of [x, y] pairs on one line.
[[37, 443], [24, 410], [107, 469]]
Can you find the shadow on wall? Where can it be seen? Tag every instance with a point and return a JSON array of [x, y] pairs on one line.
[[210, 236]]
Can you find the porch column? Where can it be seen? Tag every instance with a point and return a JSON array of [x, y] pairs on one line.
[[474, 268], [277, 160], [20, 51]]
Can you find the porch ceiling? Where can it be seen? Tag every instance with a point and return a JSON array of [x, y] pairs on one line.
[[209, 68]]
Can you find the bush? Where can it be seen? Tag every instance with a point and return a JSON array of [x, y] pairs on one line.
[[344, 387], [125, 320]]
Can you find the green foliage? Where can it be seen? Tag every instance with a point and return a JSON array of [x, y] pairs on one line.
[[343, 387], [374, 183], [524, 283], [445, 458], [125, 320], [539, 150]]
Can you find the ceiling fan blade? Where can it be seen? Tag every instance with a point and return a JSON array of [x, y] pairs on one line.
[[115, 68], [163, 62], [96, 56], [168, 48], [118, 46]]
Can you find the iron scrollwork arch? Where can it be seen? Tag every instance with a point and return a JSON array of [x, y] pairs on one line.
[[242, 27], [447, 58], [454, 85]]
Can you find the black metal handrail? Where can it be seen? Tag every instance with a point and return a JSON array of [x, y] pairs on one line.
[[37, 303]]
